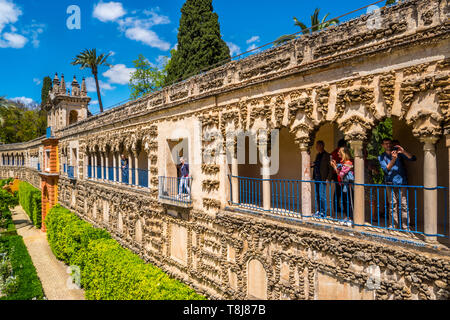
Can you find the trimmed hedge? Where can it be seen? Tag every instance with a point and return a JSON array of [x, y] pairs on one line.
[[109, 271], [29, 285], [30, 200]]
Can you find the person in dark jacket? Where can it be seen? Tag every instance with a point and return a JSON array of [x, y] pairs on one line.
[[322, 173], [184, 177]]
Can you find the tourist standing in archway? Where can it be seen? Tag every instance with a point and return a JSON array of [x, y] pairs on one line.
[[322, 173], [391, 162], [346, 175]]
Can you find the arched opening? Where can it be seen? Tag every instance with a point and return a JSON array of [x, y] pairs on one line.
[[398, 204], [249, 172], [73, 117], [331, 197], [142, 168]]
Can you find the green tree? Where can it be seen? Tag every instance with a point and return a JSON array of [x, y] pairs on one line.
[[146, 78], [89, 59], [316, 25], [388, 2], [46, 87], [20, 123], [374, 148], [200, 44]]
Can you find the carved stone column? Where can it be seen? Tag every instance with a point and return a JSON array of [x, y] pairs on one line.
[[265, 171], [114, 167], [95, 166], [102, 166], [130, 169], [234, 171], [359, 207], [136, 168], [149, 165], [430, 192], [107, 166], [306, 176], [119, 164]]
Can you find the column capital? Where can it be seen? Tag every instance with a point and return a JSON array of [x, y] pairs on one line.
[[357, 146], [429, 142]]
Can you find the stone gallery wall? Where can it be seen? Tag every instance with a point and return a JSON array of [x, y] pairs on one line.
[[236, 255]]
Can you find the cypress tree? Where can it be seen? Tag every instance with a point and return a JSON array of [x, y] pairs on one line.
[[46, 87], [200, 44]]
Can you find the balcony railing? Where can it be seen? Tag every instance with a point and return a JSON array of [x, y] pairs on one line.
[[176, 190], [389, 207], [71, 172]]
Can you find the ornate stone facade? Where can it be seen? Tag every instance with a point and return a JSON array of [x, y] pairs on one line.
[[350, 76]]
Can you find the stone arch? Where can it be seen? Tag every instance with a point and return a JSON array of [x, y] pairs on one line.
[[120, 223], [73, 117], [257, 281], [106, 211], [139, 231]]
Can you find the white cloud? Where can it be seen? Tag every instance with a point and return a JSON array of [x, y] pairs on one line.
[[136, 28], [12, 40], [26, 101], [91, 87], [9, 13], [119, 74], [37, 81], [95, 102], [252, 47], [234, 49], [253, 39], [148, 37], [108, 11]]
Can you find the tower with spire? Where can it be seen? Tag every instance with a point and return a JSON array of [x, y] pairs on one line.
[[66, 107]]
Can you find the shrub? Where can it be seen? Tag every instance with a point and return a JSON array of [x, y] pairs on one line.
[[7, 200], [5, 182], [114, 273], [68, 235], [25, 285], [30, 200], [108, 271]]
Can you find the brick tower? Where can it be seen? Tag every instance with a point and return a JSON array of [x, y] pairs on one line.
[[63, 109]]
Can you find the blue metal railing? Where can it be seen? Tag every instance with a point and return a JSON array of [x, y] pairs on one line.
[[398, 208], [117, 173], [143, 178], [89, 172], [104, 172], [71, 172], [133, 177], [38, 167], [175, 189], [64, 168], [111, 173], [49, 132], [125, 175], [99, 172]]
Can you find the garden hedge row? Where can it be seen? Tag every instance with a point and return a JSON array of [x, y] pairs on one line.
[[29, 285], [30, 200], [108, 271]]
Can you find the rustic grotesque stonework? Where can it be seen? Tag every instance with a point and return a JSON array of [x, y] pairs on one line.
[[349, 75]]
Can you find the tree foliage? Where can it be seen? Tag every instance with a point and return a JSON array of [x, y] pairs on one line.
[[46, 87], [146, 78], [21, 123], [200, 44], [316, 25], [89, 59]]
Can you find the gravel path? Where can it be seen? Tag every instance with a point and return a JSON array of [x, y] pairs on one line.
[[52, 272]]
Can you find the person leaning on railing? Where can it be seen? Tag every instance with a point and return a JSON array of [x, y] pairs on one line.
[[184, 180], [392, 163]]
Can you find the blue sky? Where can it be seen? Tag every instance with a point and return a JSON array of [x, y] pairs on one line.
[[35, 41]]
